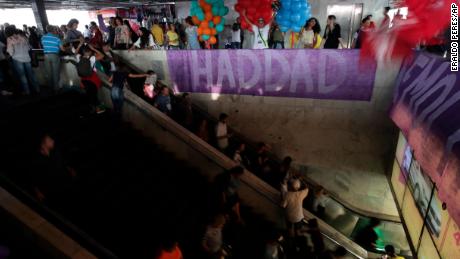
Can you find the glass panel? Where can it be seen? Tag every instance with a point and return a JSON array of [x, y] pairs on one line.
[[427, 248], [398, 182], [450, 246], [414, 220]]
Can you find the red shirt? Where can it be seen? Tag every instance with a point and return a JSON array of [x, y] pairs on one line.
[[174, 254]]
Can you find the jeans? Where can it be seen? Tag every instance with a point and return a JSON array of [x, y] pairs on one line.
[[26, 76], [275, 44], [117, 99], [53, 70], [236, 45]]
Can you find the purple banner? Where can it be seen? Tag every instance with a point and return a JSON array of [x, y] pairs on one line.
[[319, 74], [427, 110]]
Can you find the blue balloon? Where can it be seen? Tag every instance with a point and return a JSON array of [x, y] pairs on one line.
[[200, 16], [219, 27], [211, 24], [205, 37], [295, 18], [284, 28], [215, 10], [297, 28], [296, 6]]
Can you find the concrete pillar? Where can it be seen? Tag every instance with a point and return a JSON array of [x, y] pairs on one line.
[[38, 7]]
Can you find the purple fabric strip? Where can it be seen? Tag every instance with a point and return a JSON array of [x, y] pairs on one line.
[[301, 73]]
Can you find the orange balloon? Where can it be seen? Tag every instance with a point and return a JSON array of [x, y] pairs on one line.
[[207, 7], [195, 20], [212, 40], [216, 20], [208, 16], [204, 25], [207, 31], [201, 3], [199, 31], [213, 31], [200, 38]]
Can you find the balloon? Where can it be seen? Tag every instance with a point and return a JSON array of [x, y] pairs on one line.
[[200, 16], [204, 25], [219, 27], [212, 40], [195, 20], [208, 16], [215, 10], [213, 31], [216, 19], [205, 37], [284, 28], [207, 31]]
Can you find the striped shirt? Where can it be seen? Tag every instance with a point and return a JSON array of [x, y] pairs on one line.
[[51, 44]]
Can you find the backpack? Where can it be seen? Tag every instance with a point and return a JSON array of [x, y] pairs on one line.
[[84, 68]]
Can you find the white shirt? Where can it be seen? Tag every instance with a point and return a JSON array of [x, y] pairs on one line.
[[293, 202], [236, 36], [260, 37], [150, 44], [87, 33], [307, 37], [213, 239], [221, 130]]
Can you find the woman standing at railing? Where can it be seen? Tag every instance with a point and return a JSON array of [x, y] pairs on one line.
[[122, 37], [145, 40], [192, 34], [309, 34], [173, 37], [18, 48]]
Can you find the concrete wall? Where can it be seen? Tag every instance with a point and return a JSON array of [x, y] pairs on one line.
[[351, 135]]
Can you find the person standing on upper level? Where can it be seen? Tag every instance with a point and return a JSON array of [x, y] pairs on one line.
[[18, 47], [87, 33], [261, 31], [332, 34], [192, 34], [52, 45], [73, 35], [157, 32]]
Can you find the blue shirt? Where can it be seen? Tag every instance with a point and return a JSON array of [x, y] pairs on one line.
[[51, 44]]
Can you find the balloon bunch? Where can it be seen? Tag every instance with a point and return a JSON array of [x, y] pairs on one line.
[[208, 16], [293, 15], [255, 9]]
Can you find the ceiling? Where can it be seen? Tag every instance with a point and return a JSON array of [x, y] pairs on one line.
[[80, 4]]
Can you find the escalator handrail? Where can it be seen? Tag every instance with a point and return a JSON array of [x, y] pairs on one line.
[[56, 220]]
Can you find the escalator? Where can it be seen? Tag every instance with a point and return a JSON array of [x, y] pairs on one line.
[[340, 219]]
